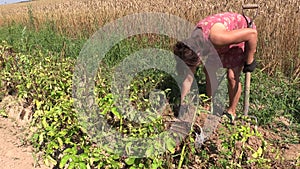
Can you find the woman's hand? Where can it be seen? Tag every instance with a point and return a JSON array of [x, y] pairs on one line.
[[250, 67]]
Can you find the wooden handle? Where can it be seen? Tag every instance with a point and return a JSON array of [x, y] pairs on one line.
[[248, 74], [250, 6], [247, 93]]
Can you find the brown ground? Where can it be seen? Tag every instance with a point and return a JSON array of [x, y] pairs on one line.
[[15, 152]]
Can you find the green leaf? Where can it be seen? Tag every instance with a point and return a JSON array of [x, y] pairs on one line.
[[28, 85], [41, 138], [38, 104], [88, 166], [255, 155], [154, 166], [46, 161], [128, 147], [53, 145], [141, 165], [72, 165], [51, 133], [44, 123], [258, 153], [60, 142], [63, 133], [100, 164], [129, 161], [64, 161], [3, 114], [149, 151], [171, 145], [82, 165], [51, 160], [84, 156], [83, 129], [115, 112], [70, 150]]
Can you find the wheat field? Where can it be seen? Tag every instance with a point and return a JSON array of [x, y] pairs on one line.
[[277, 21]]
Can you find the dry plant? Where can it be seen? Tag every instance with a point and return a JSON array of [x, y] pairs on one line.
[[277, 22]]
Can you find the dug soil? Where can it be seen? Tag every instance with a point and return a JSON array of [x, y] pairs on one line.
[[15, 153]]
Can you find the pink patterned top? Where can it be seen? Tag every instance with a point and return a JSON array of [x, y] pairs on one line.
[[232, 55]]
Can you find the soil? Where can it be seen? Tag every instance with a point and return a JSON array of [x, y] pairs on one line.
[[15, 153], [15, 150]]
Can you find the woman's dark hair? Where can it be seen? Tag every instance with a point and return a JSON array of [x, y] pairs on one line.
[[188, 56]]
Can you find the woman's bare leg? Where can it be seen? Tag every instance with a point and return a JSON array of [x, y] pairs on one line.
[[211, 80], [234, 88]]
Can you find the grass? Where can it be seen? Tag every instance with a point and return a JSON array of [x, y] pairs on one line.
[[279, 96], [26, 40]]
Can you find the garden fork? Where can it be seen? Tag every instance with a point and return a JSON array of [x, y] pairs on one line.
[[245, 7]]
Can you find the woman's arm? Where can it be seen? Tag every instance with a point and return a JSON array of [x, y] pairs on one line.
[[187, 83], [219, 36]]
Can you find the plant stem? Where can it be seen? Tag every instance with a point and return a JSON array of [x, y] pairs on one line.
[[181, 156]]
